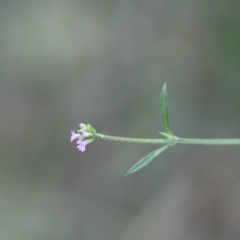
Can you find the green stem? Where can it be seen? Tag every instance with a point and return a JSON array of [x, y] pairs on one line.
[[175, 140]]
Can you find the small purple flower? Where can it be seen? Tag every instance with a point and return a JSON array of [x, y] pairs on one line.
[[81, 145], [74, 136]]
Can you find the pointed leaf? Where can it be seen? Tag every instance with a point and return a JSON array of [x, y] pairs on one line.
[[164, 109], [147, 159]]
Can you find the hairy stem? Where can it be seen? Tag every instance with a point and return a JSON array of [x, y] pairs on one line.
[[174, 140]]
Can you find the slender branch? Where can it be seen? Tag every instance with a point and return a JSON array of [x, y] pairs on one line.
[[176, 140], [233, 141]]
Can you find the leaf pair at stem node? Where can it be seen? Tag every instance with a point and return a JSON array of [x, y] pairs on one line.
[[168, 134]]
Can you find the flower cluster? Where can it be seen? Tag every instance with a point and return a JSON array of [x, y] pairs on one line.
[[85, 135]]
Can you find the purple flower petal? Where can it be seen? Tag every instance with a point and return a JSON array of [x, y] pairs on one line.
[[74, 136], [81, 145]]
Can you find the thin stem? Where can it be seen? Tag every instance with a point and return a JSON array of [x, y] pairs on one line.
[[175, 140], [234, 141]]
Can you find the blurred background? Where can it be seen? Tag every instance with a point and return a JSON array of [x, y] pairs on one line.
[[104, 63]]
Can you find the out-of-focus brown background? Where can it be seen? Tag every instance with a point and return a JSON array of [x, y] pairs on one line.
[[63, 62]]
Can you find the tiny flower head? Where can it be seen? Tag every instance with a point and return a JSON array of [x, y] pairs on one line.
[[74, 136], [85, 135]]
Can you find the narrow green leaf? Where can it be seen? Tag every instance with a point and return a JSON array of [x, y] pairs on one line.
[[147, 159], [164, 109]]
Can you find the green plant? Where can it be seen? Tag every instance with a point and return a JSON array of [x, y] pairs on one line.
[[87, 134]]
